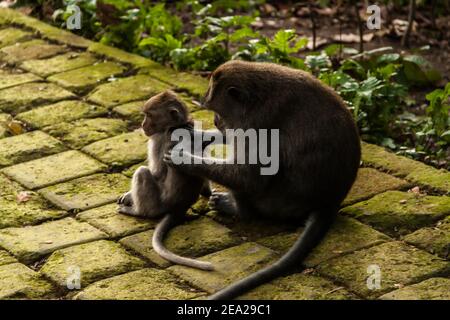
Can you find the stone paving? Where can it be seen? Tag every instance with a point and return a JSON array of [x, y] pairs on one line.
[[69, 114]]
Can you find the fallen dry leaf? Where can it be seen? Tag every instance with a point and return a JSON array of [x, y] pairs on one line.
[[15, 127], [23, 196], [415, 190]]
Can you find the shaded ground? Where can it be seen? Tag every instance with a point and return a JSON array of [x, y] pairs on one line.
[[68, 108]]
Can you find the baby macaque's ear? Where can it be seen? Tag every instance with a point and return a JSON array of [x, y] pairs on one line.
[[176, 115]]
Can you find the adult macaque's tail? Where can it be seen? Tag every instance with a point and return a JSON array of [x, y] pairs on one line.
[[316, 227]]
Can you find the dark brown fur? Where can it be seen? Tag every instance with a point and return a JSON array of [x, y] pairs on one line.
[[319, 154]]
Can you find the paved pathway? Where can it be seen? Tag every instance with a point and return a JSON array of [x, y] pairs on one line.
[[73, 106]]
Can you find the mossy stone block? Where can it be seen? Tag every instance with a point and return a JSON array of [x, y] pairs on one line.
[[230, 265], [107, 219], [299, 287], [398, 263], [396, 212], [60, 63], [87, 77], [370, 182], [191, 83], [145, 284], [64, 111], [431, 177], [14, 213], [85, 131], [87, 192], [10, 36], [130, 171], [431, 289], [96, 260], [193, 239], [121, 150], [413, 171], [9, 79], [125, 90], [120, 55], [6, 258], [32, 242], [34, 49], [17, 281], [28, 146], [435, 240], [5, 119], [53, 169], [131, 111], [346, 235], [26, 96]]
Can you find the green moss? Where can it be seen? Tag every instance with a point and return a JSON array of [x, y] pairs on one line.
[[107, 219], [19, 282], [53, 169], [400, 264], [146, 284], [87, 192], [120, 151], [8, 79], [125, 90], [396, 212], [299, 287], [58, 64], [370, 182], [205, 117], [64, 111], [6, 258], [83, 132], [193, 84], [10, 36], [24, 97], [87, 77], [434, 178], [31, 243], [378, 157], [27, 146], [230, 265], [10, 16], [34, 49], [431, 289], [132, 111], [435, 240], [193, 239], [120, 55], [4, 120], [96, 260], [130, 171]]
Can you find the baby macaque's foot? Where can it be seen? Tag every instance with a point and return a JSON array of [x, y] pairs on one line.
[[222, 202], [128, 210], [125, 200]]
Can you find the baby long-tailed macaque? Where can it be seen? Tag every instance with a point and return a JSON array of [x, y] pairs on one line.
[[319, 155], [160, 190]]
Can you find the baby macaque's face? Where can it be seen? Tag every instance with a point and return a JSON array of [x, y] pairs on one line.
[[162, 112]]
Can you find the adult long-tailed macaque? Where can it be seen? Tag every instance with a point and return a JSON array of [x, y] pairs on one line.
[[160, 190], [319, 155]]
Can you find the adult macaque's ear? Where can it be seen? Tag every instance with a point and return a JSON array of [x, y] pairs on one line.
[[237, 94]]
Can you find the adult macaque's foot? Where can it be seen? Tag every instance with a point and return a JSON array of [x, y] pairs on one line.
[[222, 202]]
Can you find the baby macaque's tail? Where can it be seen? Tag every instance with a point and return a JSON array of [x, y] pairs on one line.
[[157, 243]]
